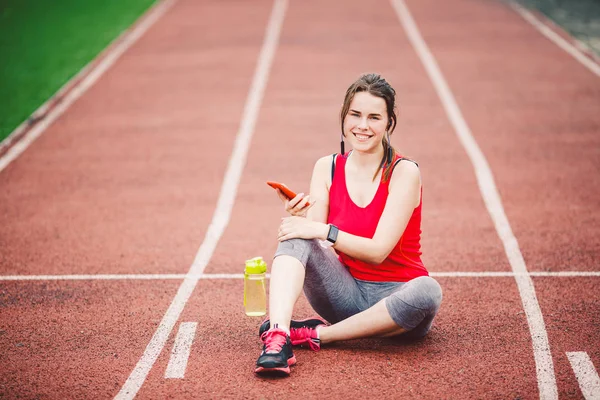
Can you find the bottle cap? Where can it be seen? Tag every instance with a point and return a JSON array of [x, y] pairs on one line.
[[256, 265]]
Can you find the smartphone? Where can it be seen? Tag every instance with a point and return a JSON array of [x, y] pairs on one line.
[[287, 192]]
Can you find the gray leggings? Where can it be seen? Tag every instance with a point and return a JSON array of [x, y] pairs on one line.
[[336, 295]]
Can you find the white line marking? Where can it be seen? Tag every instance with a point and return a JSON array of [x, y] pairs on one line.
[[586, 374], [566, 273], [559, 274], [123, 42], [109, 277], [181, 350], [557, 39], [489, 192], [224, 205], [99, 277]]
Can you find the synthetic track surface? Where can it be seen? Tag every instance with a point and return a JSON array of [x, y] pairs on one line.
[[126, 181]]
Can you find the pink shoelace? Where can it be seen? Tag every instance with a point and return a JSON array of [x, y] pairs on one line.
[[305, 335], [274, 339]]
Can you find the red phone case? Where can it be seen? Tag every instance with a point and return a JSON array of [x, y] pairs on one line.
[[286, 190]]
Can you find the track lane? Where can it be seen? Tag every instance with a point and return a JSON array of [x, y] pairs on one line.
[[74, 339], [222, 213]]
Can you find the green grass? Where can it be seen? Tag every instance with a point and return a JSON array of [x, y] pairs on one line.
[[43, 43]]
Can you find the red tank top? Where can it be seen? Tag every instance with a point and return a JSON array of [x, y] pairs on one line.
[[404, 262]]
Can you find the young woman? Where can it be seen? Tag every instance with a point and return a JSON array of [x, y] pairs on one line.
[[366, 205]]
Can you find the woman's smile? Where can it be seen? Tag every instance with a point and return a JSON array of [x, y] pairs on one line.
[[362, 137]]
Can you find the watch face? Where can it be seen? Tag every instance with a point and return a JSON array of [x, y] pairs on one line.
[[332, 234]]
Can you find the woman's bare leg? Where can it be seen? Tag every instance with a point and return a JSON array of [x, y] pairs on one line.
[[287, 279], [375, 321]]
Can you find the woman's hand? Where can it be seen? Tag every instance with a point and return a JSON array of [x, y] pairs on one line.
[[296, 206], [302, 228]]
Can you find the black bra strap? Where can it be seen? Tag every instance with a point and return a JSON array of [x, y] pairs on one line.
[[402, 158], [333, 165]]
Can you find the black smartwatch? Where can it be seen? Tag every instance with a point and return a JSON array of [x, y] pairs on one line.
[[332, 234]]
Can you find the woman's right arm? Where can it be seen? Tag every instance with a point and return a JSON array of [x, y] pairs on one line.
[[319, 190]]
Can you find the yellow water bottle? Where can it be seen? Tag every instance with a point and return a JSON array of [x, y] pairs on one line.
[[255, 288]]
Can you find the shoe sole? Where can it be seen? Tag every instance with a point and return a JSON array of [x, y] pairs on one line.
[[294, 324], [285, 371], [278, 371]]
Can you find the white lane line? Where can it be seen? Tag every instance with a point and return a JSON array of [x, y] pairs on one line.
[[541, 346], [224, 205], [556, 39], [108, 277], [559, 274], [586, 374], [181, 350], [566, 273], [76, 89], [98, 277]]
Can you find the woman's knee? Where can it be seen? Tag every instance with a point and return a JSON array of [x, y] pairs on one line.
[[298, 248], [425, 293], [419, 300]]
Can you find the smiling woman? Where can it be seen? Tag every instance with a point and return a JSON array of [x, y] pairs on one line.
[[45, 43], [366, 206], [369, 106]]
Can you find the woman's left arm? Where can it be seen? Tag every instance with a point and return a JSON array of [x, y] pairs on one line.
[[404, 196]]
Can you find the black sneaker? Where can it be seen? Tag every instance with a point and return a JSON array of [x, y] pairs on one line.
[[277, 354]]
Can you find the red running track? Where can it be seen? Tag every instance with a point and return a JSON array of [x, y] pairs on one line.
[[127, 181]]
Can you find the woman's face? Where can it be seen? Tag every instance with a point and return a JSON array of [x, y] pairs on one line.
[[365, 123]]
